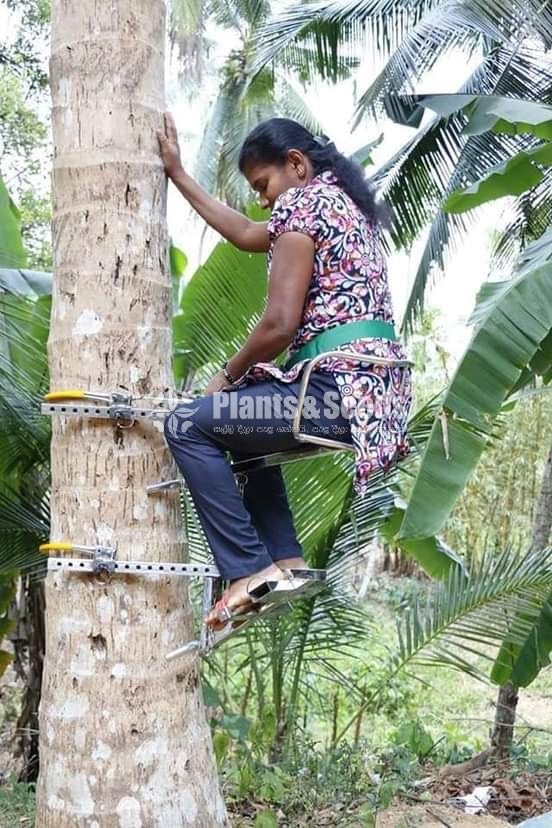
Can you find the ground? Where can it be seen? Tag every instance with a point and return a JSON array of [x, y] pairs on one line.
[[456, 711], [434, 815]]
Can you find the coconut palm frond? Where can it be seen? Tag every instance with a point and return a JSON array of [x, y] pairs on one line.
[[463, 622], [290, 103], [208, 161], [187, 33], [532, 215], [441, 31], [467, 619], [439, 159], [336, 30], [24, 524]]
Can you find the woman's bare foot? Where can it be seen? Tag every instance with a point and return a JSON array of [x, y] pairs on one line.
[[237, 594]]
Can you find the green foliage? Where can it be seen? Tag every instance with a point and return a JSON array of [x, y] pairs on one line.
[[514, 321], [36, 219], [24, 440], [23, 133], [441, 157], [21, 130], [432, 553], [468, 617], [512, 177], [246, 96], [17, 803], [484, 113], [23, 54], [7, 593], [12, 253], [510, 116], [496, 507], [219, 307], [520, 663]]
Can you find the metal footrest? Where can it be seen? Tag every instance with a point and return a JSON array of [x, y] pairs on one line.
[[212, 639]]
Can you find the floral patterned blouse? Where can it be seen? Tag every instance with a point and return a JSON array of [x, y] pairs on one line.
[[349, 283]]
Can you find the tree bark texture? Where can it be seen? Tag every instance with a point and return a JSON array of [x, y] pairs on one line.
[[505, 719], [507, 699], [542, 523], [123, 735]]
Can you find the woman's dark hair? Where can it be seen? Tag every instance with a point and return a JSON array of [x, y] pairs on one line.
[[270, 142]]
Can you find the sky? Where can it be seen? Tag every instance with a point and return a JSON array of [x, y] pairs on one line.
[[454, 291]]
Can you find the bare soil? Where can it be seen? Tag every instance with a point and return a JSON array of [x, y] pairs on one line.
[[434, 815]]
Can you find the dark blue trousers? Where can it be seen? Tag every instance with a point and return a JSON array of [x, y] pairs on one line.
[[246, 534]]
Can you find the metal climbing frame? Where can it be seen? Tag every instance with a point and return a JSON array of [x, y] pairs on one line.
[[119, 407]]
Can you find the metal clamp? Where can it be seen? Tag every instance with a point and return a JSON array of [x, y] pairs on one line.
[[103, 559], [117, 405], [99, 560]]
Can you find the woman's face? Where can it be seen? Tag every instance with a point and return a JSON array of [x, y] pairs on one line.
[[271, 180]]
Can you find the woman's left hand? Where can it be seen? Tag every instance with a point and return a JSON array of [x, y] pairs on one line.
[[218, 383]]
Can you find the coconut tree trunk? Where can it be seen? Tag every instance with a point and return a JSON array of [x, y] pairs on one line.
[[507, 699], [124, 739]]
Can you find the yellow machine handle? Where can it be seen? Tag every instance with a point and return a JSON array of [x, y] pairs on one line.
[[72, 394], [59, 546]]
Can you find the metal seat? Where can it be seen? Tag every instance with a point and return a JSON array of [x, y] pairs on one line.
[[309, 445], [314, 445]]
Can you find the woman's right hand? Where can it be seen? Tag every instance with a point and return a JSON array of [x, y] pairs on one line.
[[168, 146]]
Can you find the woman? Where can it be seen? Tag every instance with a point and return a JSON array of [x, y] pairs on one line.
[[326, 272]]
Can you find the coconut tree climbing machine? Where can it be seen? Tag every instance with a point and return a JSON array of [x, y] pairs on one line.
[[101, 561]]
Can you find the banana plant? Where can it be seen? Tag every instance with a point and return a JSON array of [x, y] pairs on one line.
[[511, 345], [508, 116], [512, 341], [12, 253]]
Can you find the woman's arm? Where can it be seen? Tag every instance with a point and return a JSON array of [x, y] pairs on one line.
[[237, 228], [290, 277]]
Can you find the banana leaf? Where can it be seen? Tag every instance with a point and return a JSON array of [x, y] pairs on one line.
[[25, 282], [484, 112], [433, 555], [514, 323], [12, 253], [520, 663], [512, 177]]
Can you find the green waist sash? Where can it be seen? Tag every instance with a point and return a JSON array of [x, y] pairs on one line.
[[339, 335]]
